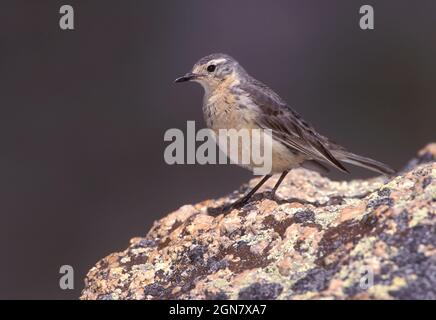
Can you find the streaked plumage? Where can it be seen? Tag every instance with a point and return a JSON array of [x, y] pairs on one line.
[[234, 99]]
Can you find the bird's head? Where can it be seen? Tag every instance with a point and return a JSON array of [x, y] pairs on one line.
[[211, 71]]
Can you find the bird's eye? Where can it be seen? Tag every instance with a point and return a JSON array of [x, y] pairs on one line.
[[211, 68]]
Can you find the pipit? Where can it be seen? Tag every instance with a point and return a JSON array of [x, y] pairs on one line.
[[235, 100]]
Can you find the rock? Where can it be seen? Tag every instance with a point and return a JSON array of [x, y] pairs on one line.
[[363, 239]]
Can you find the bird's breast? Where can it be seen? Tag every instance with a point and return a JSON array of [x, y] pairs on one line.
[[229, 110]]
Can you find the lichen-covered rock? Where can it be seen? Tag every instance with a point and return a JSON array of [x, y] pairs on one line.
[[364, 239]]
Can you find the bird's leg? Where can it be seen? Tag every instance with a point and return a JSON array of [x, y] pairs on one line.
[[282, 176], [242, 201]]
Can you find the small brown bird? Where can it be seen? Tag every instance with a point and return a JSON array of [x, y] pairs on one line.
[[235, 100]]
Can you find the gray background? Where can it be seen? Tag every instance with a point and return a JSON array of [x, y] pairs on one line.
[[83, 112]]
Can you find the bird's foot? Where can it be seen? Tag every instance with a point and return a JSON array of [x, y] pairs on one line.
[[273, 196], [238, 204], [276, 198]]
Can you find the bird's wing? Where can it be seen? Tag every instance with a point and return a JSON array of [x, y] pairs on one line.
[[287, 125]]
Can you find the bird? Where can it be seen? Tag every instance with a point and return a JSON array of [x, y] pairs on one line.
[[233, 99]]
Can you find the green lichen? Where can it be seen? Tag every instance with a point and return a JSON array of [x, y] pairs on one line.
[[418, 216], [364, 247], [383, 291]]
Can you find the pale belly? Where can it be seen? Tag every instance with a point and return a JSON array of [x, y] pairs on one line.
[[239, 114], [250, 147]]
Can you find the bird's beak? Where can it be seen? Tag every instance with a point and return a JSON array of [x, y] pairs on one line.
[[187, 77]]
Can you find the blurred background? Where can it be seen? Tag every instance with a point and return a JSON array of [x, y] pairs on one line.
[[83, 112]]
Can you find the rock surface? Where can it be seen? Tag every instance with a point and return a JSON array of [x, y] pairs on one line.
[[364, 239]]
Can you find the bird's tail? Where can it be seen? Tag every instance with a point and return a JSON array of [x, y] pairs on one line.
[[364, 162]]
